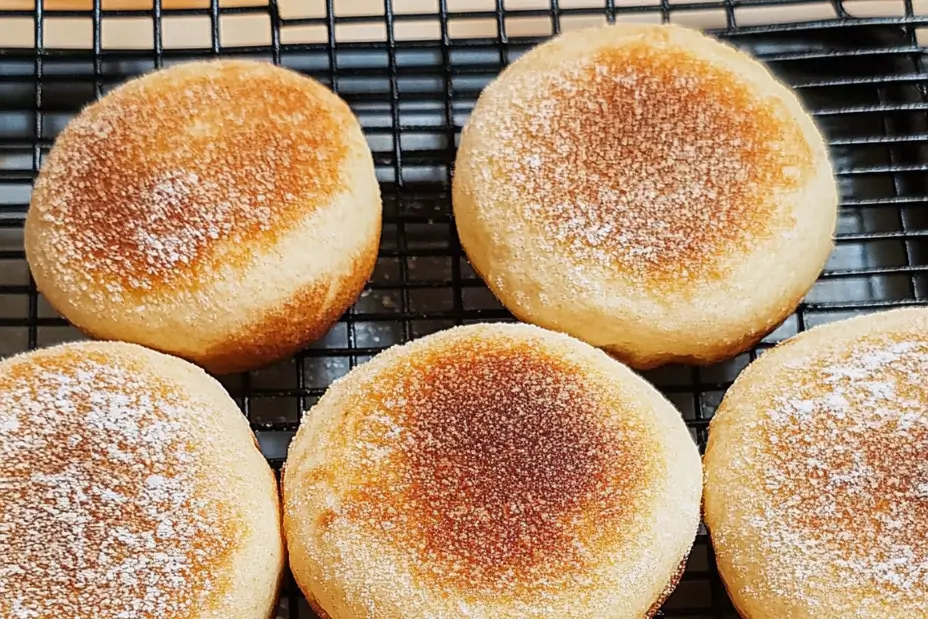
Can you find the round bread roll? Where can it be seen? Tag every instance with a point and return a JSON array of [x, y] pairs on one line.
[[817, 477], [130, 486], [646, 189], [226, 212], [491, 471]]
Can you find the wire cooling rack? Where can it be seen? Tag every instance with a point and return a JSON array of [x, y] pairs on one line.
[[412, 69]]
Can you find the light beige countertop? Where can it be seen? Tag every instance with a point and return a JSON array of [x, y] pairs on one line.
[[417, 20]]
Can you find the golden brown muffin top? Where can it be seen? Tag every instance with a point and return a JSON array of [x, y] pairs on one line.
[[174, 174], [102, 514], [644, 157], [828, 435], [848, 460], [494, 464]]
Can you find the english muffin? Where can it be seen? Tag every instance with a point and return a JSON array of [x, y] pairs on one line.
[[226, 212], [647, 189], [491, 471], [816, 474], [130, 486]]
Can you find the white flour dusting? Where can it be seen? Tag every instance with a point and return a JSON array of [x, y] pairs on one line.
[[100, 518]]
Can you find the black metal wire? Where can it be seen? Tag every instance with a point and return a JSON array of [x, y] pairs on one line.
[[214, 26], [158, 33], [38, 67], [863, 79], [454, 243]]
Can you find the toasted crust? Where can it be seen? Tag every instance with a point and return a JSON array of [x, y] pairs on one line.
[[190, 209], [282, 330], [816, 484], [671, 586], [629, 184], [132, 487], [490, 471], [147, 186]]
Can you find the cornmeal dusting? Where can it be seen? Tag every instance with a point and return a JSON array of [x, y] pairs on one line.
[[640, 158], [842, 505], [496, 469], [144, 187], [100, 513]]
